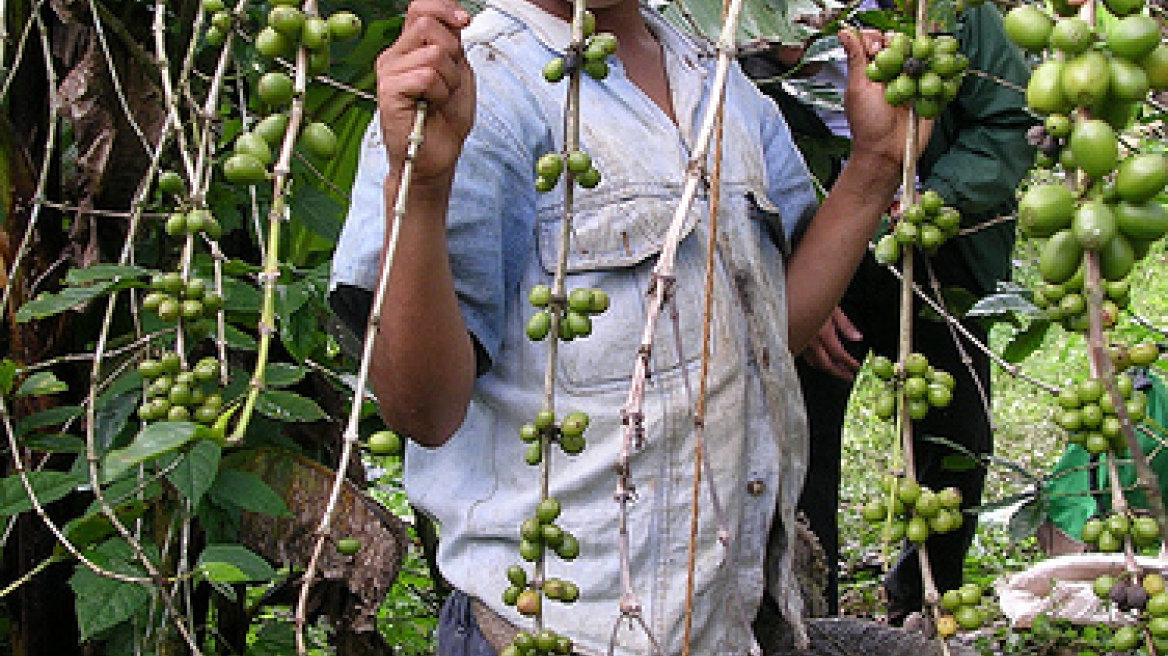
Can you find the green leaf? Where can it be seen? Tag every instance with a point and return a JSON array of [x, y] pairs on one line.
[[7, 375], [103, 603], [123, 490], [48, 486], [376, 34], [758, 19], [113, 413], [1025, 342], [40, 383], [273, 639], [196, 473], [1004, 502], [239, 296], [54, 443], [1006, 303], [233, 488], [282, 374], [957, 302], [290, 298], [958, 463], [238, 340], [885, 20], [1026, 520], [83, 532], [233, 563], [47, 305], [153, 441], [283, 405], [316, 210], [54, 416], [101, 272], [300, 333]]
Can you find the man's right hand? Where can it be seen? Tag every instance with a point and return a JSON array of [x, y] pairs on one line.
[[827, 352], [427, 62]]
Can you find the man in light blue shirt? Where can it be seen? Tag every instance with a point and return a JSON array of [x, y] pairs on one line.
[[452, 367]]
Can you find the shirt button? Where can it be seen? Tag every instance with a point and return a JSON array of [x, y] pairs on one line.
[[754, 486]]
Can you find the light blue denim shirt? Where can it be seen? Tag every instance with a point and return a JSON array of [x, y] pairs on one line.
[[503, 238]]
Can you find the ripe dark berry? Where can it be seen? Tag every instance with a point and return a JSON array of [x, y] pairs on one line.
[[914, 67]]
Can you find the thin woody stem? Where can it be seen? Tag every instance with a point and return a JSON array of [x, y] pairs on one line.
[[908, 198], [372, 327], [699, 418], [571, 124], [1011, 369], [966, 360], [660, 291], [1146, 479], [277, 214]]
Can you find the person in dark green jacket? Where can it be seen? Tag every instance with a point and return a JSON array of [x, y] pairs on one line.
[[976, 156]]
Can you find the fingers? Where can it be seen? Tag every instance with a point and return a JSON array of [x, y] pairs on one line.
[[431, 22], [827, 353], [817, 356], [427, 72], [860, 46], [845, 326], [426, 60], [843, 364], [446, 12]]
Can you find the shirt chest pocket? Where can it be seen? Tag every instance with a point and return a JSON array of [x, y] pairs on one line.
[[615, 247]]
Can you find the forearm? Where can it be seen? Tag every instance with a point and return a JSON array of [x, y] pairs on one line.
[[819, 270], [422, 370]]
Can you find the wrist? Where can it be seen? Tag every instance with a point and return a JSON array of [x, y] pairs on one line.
[[425, 190], [873, 172]]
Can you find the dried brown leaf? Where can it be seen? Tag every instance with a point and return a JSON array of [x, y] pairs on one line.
[[304, 486]]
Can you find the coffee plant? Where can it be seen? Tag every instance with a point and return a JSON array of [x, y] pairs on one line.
[[170, 382], [1093, 199], [169, 374]]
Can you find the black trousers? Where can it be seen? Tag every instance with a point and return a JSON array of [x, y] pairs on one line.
[[872, 303]]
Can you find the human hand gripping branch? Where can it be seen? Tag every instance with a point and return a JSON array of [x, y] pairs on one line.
[[423, 367], [822, 265]]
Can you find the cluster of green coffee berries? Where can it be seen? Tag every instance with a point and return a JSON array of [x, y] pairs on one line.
[[1106, 534], [287, 28], [1066, 304], [1118, 218], [914, 512], [172, 298], [539, 534], [544, 643], [592, 57], [1147, 598], [925, 224], [962, 610], [1105, 76], [170, 393], [1141, 354], [576, 321], [1088, 414], [186, 221], [925, 71], [549, 167], [569, 434], [1146, 595], [924, 386], [193, 222]]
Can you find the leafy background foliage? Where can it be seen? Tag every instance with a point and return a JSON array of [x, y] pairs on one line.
[[200, 508]]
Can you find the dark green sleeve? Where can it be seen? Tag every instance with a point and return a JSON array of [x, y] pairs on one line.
[[978, 153]]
